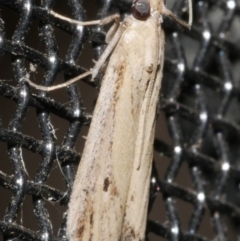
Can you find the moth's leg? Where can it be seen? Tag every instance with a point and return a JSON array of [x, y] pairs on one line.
[[51, 88], [114, 40], [106, 20], [100, 62], [109, 36], [169, 13], [96, 67], [111, 32]]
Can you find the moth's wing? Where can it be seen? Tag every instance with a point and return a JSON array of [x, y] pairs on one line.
[[118, 151], [138, 194], [97, 204]]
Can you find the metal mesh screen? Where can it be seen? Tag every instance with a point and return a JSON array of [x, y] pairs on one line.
[[195, 180]]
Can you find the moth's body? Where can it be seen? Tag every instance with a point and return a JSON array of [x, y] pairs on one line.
[[110, 194]]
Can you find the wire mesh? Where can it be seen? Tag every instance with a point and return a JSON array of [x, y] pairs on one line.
[[195, 180]]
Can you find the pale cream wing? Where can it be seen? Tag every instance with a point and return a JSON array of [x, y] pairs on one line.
[[138, 194], [116, 144], [97, 204]]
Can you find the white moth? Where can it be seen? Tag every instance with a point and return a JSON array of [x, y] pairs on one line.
[[109, 199]]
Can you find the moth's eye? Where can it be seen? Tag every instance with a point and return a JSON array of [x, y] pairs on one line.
[[165, 2], [141, 9]]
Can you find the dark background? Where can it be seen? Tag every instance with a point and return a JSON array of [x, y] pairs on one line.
[[199, 113]]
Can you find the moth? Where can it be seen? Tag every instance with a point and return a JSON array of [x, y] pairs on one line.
[[109, 199]]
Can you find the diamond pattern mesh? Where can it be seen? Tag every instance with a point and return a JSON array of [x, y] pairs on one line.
[[195, 179]]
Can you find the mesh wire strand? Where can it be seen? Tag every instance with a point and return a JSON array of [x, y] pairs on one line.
[[199, 114]]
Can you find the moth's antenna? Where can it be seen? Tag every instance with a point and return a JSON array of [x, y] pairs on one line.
[[190, 12], [169, 13]]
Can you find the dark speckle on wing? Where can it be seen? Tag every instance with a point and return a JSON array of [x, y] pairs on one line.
[[80, 231], [106, 184]]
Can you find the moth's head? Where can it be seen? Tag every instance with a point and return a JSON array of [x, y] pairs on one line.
[[141, 9]]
